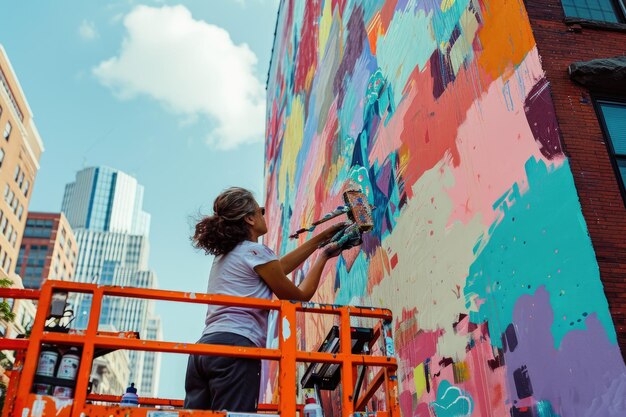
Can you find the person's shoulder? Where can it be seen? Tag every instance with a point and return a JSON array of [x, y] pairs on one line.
[[256, 249]]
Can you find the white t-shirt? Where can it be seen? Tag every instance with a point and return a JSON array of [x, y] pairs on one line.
[[234, 274]]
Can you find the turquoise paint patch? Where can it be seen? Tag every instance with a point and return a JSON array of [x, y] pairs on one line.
[[353, 283], [539, 240], [544, 409], [443, 23], [408, 43], [452, 401]]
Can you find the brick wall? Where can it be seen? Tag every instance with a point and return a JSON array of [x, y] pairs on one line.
[[559, 45]]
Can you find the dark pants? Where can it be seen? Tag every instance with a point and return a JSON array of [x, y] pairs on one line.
[[223, 383]]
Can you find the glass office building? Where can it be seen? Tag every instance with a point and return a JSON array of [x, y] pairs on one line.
[[104, 207]]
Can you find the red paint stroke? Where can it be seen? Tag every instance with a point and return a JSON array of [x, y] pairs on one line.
[[307, 50], [394, 261]]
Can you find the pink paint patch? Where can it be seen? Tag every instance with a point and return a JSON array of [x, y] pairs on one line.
[[493, 150], [420, 348]]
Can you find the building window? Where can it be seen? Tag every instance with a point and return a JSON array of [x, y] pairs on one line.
[[601, 10], [613, 116], [1, 156], [38, 228], [7, 130]]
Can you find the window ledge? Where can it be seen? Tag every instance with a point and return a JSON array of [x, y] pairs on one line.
[[595, 24]]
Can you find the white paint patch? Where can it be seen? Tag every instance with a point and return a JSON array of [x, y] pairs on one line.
[[286, 329], [192, 295], [60, 404], [38, 407], [431, 269]]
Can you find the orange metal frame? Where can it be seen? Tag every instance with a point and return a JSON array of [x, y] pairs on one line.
[[21, 402]]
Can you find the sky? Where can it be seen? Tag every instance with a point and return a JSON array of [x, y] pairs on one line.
[[171, 92]]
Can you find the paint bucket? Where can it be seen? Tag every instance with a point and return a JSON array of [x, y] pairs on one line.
[[42, 389], [63, 392], [68, 368], [47, 361]]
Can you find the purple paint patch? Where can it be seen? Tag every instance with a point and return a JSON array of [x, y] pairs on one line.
[[584, 375], [354, 47], [542, 120], [441, 71]]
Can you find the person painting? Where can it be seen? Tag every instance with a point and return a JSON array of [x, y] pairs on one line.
[[244, 268]]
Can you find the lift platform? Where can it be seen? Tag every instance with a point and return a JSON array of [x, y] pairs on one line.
[[23, 401]]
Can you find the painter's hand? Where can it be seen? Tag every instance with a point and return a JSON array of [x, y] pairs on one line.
[[333, 249], [328, 234]]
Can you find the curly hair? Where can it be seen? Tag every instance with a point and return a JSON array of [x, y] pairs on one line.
[[226, 228]]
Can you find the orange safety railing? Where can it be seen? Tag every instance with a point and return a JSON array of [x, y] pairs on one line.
[[20, 401]]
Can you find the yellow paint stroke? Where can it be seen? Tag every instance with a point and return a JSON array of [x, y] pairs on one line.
[[446, 4], [461, 372], [419, 377], [506, 37], [324, 28], [292, 142]]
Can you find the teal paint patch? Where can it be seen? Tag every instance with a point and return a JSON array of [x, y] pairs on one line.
[[443, 23], [452, 401], [353, 283], [544, 409], [539, 240], [408, 43]]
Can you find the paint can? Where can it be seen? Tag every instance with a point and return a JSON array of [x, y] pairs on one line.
[[42, 389], [47, 361], [63, 392], [68, 368]]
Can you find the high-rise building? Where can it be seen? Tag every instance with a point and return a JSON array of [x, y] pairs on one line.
[[48, 249], [104, 208], [152, 360], [20, 151]]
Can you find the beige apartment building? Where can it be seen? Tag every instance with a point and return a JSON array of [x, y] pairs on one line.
[[20, 151]]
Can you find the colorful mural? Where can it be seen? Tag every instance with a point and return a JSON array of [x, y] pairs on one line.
[[440, 110]]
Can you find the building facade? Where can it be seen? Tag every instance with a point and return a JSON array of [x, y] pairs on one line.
[[104, 208], [48, 250], [495, 166], [591, 111], [152, 360], [20, 150]]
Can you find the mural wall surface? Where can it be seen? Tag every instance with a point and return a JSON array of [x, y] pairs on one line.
[[440, 110]]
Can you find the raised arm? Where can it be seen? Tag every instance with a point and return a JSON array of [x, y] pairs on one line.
[[293, 259], [275, 278]]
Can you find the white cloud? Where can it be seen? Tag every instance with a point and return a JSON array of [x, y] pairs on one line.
[[193, 68], [87, 30]]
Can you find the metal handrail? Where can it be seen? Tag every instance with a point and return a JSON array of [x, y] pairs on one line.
[[286, 354]]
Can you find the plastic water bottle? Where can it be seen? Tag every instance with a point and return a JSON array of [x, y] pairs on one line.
[[130, 399], [312, 408]]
